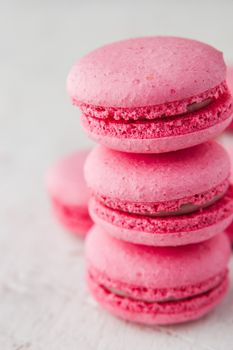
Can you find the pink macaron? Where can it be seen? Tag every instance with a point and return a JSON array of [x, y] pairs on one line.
[[156, 285], [152, 94], [68, 192], [163, 199]]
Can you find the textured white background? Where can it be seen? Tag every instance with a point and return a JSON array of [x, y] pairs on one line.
[[43, 300]]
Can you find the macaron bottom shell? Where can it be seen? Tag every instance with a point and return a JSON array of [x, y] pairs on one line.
[[75, 219], [152, 145], [174, 239], [152, 313]]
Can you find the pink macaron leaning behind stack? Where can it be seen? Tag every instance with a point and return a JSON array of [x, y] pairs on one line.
[[164, 199], [152, 94], [68, 192], [156, 285]]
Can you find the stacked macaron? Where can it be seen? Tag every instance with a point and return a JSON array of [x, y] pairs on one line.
[[160, 193]]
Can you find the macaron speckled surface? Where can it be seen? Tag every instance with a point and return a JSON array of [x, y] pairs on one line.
[[68, 192], [152, 94], [161, 199], [156, 285]]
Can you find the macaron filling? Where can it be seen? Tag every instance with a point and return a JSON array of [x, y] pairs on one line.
[[161, 296], [212, 114], [198, 105], [172, 207], [169, 109], [220, 211]]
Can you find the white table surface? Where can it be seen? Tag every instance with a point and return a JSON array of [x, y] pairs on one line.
[[43, 299]]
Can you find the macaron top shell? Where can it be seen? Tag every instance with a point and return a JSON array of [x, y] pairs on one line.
[[145, 71], [156, 177], [65, 180], [156, 267]]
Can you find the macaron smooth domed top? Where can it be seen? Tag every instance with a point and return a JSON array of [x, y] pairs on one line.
[[146, 71], [65, 180], [156, 177], [156, 267]]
